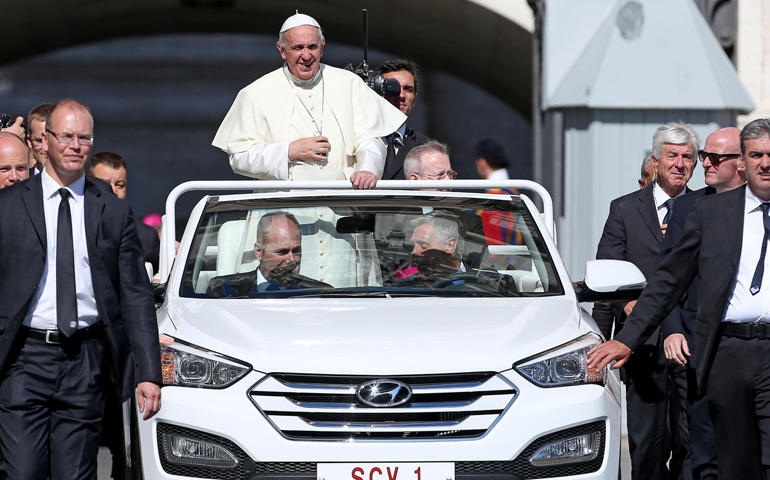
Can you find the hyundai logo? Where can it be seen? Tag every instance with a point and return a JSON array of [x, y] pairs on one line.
[[384, 393]]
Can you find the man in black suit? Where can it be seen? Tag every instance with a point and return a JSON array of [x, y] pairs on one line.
[[279, 251], [634, 232], [722, 172], [76, 309], [111, 167], [404, 139], [724, 241]]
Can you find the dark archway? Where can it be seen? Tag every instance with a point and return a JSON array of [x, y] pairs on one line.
[[458, 37], [159, 76]]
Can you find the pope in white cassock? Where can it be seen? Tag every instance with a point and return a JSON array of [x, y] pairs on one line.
[[308, 121]]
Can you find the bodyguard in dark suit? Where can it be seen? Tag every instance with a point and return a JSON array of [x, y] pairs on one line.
[[404, 139], [112, 168], [634, 232], [722, 172], [76, 310], [724, 241]]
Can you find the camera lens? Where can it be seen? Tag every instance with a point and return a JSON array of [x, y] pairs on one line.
[[6, 120]]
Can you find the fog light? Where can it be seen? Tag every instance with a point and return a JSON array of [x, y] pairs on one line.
[[189, 451], [577, 449]]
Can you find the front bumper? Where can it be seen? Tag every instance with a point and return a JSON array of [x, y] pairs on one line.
[[537, 417]]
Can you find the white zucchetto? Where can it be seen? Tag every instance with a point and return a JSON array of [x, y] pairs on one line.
[[298, 20]]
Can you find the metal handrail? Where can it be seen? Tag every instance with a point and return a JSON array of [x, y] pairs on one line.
[[168, 235]]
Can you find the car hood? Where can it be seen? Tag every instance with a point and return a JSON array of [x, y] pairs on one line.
[[384, 336]]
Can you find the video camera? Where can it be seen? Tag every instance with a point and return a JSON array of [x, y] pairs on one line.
[[381, 85], [8, 121]]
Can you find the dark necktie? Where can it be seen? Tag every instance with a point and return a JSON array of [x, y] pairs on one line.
[[390, 157], [756, 282], [66, 298], [669, 207]]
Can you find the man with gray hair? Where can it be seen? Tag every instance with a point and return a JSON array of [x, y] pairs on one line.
[[437, 245], [634, 232], [724, 241], [648, 172], [306, 120], [429, 161]]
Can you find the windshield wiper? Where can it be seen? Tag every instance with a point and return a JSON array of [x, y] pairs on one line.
[[338, 294]]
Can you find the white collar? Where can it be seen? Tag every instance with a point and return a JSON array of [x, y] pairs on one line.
[[752, 201], [50, 187], [301, 83], [662, 197], [499, 174]]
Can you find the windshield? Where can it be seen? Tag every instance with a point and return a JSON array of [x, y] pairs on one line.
[[385, 246]]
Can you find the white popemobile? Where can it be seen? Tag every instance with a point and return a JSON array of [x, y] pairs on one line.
[[372, 358]]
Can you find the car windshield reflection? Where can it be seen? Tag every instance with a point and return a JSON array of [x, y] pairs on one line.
[[368, 246]]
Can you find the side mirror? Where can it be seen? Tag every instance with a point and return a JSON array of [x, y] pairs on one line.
[[610, 281]]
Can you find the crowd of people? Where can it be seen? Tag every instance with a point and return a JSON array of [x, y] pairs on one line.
[[694, 348], [76, 312], [77, 316]]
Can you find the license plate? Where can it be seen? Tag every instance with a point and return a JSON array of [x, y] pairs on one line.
[[386, 471]]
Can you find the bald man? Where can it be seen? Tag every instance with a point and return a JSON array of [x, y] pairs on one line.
[[13, 159]]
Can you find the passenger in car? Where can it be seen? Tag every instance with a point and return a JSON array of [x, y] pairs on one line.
[[278, 248], [436, 258]]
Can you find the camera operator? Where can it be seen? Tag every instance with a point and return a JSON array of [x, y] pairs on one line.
[[306, 120], [400, 142]]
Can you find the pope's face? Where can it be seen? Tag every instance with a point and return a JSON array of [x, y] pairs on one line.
[[302, 51]]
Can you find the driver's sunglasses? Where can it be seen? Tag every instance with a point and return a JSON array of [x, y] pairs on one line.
[[716, 158]]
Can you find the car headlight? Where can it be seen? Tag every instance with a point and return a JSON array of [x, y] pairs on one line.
[[186, 366], [563, 366]]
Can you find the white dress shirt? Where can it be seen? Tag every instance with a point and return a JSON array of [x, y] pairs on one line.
[[42, 310], [743, 307], [661, 198], [499, 174]]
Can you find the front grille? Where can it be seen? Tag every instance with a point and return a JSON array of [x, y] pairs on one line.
[[325, 407], [519, 468]]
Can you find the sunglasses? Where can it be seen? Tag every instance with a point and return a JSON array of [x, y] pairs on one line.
[[716, 158]]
